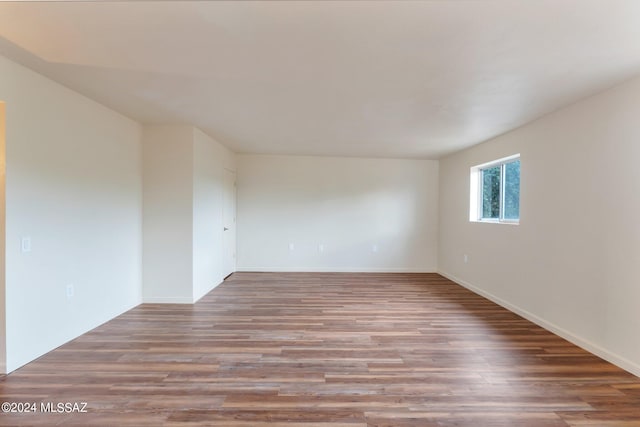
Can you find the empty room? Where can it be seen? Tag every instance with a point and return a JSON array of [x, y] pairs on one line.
[[320, 213]]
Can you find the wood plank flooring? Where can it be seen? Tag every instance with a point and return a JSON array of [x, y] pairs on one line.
[[325, 350]]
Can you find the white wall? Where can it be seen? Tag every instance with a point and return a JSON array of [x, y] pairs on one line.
[[73, 184], [167, 267], [183, 185], [348, 205], [572, 263]]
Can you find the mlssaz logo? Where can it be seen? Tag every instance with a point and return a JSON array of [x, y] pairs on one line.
[[63, 407]]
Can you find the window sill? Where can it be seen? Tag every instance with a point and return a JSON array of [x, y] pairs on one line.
[[490, 221]]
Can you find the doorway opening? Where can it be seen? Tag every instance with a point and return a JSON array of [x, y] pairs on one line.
[[229, 223]]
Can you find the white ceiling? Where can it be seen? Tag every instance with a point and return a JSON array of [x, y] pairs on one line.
[[361, 78]]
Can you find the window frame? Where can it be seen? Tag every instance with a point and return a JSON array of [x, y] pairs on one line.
[[477, 200]]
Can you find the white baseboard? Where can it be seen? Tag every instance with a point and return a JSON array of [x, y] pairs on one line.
[[272, 269], [591, 347], [167, 300]]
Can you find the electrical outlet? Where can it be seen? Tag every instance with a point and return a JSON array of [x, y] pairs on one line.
[[292, 247], [70, 291], [466, 258], [25, 244], [374, 248]]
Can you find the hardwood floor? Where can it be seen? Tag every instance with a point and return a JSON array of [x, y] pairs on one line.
[[325, 350]]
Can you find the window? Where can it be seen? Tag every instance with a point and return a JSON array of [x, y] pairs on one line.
[[495, 191]]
